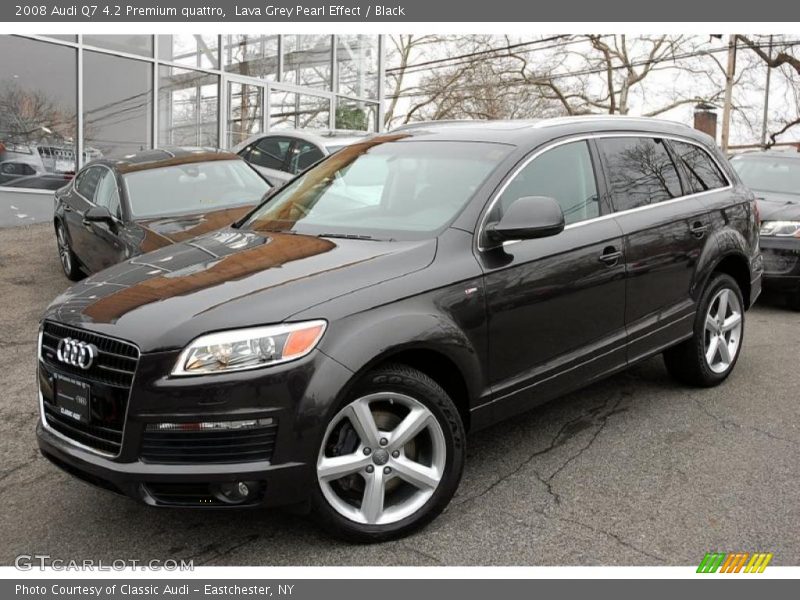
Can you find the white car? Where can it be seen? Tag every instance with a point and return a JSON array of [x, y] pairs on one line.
[[281, 156]]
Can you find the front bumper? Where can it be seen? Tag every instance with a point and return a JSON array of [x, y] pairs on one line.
[[781, 263], [299, 396]]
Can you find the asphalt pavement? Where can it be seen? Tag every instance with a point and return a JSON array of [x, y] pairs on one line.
[[635, 470]]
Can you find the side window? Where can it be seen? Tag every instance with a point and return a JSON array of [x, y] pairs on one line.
[[564, 173], [270, 152], [701, 170], [107, 194], [87, 181], [305, 155], [640, 171]]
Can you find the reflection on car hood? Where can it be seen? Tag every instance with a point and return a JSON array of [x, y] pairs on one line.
[[778, 207], [229, 279], [163, 231]]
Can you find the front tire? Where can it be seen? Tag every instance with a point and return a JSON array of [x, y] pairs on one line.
[[709, 356], [390, 459], [69, 264]]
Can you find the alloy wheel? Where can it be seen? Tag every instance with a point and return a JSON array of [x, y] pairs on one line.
[[723, 330], [382, 458], [63, 249]]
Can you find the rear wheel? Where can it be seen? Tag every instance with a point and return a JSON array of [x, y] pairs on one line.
[[69, 263], [390, 459], [709, 356]]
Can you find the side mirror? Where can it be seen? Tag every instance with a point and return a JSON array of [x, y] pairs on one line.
[[98, 214], [528, 218]]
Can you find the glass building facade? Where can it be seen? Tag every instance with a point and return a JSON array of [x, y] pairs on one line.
[[65, 100]]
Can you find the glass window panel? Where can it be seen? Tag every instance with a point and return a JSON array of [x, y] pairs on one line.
[[190, 50], [357, 116], [132, 44], [289, 110], [357, 56], [187, 108], [245, 111], [699, 167], [640, 171], [252, 55], [38, 113], [304, 155], [307, 60], [564, 173], [117, 105], [270, 152]]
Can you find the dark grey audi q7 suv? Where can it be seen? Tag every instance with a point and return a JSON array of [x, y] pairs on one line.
[[332, 348]]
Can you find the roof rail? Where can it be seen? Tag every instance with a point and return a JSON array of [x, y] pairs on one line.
[[579, 118]]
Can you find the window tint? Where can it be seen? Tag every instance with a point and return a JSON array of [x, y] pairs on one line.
[[700, 168], [564, 173], [305, 155], [270, 152], [87, 182], [640, 171], [107, 194]]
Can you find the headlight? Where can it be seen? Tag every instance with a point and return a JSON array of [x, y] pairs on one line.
[[781, 228], [250, 348]]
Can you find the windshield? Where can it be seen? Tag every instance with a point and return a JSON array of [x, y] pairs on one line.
[[193, 187], [777, 174], [382, 188]]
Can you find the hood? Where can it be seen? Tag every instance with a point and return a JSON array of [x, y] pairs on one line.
[[229, 279], [163, 231], [778, 207]]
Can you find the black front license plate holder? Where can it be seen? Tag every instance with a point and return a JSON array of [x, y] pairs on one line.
[[73, 399]]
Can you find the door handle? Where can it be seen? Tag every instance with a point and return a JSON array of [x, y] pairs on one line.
[[698, 229], [610, 256]]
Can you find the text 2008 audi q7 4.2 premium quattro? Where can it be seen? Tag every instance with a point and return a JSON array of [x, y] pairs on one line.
[[332, 349]]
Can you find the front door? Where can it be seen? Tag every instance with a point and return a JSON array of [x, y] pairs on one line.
[[556, 305]]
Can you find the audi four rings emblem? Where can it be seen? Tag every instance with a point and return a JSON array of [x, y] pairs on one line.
[[76, 353]]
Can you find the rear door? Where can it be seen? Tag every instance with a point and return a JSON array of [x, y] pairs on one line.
[[665, 229], [556, 304]]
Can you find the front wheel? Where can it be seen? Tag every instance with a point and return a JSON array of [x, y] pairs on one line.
[[708, 357], [391, 457], [66, 256]]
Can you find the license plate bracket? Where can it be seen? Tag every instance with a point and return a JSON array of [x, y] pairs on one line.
[[73, 399]]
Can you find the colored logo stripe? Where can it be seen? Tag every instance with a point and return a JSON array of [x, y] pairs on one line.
[[733, 562]]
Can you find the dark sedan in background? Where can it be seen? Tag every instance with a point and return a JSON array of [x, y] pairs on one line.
[[118, 208], [774, 176]]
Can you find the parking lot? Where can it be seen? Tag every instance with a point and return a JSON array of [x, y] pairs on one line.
[[636, 470]]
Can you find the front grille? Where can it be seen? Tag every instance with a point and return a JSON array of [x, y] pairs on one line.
[[116, 360], [209, 446], [110, 379]]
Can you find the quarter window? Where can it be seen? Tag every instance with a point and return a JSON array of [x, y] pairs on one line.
[[564, 173], [640, 171], [701, 170]]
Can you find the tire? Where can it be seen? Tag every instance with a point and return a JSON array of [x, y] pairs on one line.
[[69, 263], [343, 497], [688, 362]]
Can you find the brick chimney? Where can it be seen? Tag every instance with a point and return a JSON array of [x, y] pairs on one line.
[[705, 119]]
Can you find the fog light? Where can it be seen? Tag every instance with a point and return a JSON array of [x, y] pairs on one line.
[[235, 492], [211, 425]]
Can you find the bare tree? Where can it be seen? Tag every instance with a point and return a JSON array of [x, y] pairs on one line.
[[403, 50], [787, 66]]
